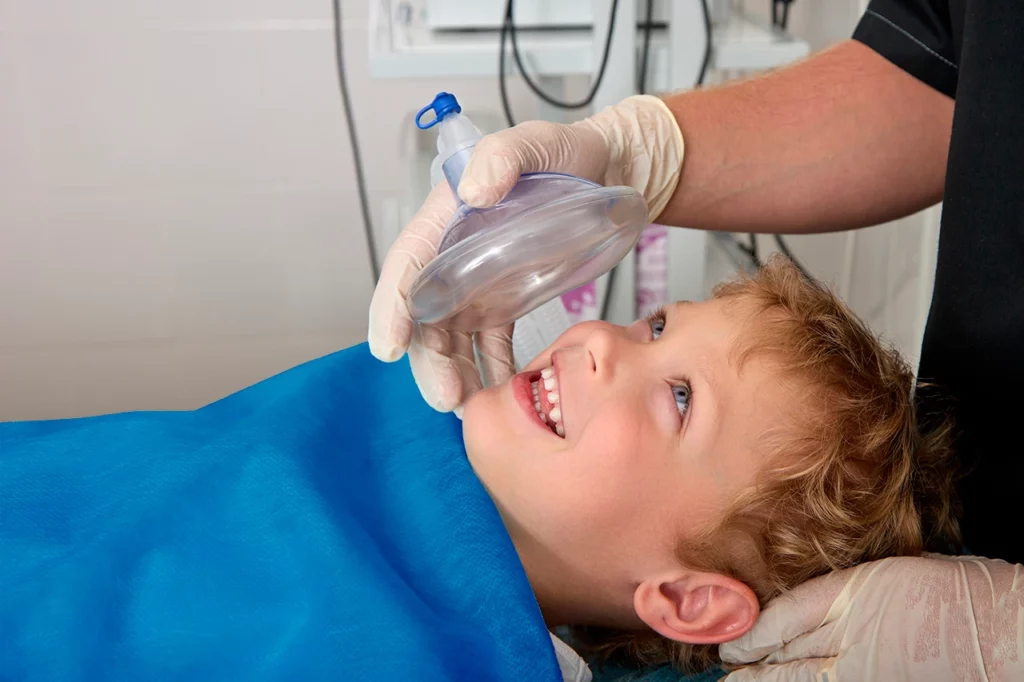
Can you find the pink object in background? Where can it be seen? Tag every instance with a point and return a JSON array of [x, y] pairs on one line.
[[651, 280], [581, 303], [652, 270]]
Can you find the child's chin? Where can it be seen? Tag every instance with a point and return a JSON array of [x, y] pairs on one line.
[[481, 419], [483, 401]]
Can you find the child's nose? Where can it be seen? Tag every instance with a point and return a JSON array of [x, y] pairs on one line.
[[604, 348]]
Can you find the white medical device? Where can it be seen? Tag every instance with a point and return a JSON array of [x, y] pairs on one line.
[[445, 15]]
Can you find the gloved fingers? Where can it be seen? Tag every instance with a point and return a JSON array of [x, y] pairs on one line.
[[496, 356], [808, 670], [390, 324], [433, 367], [802, 610], [500, 158], [823, 642], [465, 363]]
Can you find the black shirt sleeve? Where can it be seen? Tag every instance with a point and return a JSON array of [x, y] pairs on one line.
[[915, 35]]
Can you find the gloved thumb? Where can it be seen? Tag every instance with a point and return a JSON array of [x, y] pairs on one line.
[[500, 158], [804, 609]]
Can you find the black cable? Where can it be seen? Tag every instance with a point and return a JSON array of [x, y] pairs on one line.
[[751, 250], [360, 180], [508, 30], [648, 29], [789, 254], [782, 21], [502, 87], [707, 45]]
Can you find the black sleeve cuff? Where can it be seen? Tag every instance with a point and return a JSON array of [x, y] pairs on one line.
[[914, 36]]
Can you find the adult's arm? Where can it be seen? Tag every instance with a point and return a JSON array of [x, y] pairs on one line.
[[844, 139]]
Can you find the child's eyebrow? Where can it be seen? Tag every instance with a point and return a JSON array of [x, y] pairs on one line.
[[672, 309]]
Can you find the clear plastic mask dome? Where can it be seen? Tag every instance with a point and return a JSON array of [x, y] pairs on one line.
[[550, 234]]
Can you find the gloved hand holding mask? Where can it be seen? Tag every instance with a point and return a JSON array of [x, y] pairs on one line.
[[636, 143]]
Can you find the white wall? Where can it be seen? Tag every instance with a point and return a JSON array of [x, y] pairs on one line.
[[178, 212]]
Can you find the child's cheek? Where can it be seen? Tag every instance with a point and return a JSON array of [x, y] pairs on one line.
[[621, 436]]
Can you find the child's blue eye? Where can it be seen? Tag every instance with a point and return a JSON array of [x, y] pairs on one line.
[[656, 321], [657, 326], [681, 393]]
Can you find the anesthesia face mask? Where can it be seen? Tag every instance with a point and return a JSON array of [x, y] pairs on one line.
[[550, 234]]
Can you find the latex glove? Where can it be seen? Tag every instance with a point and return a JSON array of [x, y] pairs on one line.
[[636, 142], [927, 619]]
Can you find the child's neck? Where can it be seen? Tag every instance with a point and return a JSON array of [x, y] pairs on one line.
[[565, 596]]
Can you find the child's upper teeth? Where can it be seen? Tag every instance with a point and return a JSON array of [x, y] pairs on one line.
[[550, 394]]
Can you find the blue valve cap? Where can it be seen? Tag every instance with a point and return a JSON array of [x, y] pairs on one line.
[[444, 104]]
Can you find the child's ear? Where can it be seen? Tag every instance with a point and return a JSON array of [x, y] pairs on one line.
[[696, 608]]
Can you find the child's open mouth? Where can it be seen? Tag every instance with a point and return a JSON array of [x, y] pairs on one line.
[[546, 400]]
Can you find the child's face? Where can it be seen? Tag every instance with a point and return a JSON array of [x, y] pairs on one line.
[[661, 432]]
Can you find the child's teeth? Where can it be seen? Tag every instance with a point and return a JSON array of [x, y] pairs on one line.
[[550, 384]]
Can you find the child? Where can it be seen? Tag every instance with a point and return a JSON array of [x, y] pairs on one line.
[[655, 484], [688, 468]]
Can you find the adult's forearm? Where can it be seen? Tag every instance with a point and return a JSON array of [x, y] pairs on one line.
[[844, 139]]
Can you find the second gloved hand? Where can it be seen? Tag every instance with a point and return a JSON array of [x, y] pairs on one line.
[[917, 619], [636, 143]]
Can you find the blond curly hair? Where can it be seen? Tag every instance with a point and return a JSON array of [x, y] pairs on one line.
[[861, 482]]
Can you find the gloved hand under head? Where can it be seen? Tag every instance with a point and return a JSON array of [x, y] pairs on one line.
[[925, 619]]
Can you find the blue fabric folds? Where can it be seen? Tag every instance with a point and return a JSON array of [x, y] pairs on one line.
[[323, 524]]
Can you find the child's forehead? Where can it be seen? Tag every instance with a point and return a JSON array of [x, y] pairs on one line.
[[720, 337], [737, 333], [723, 321]]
